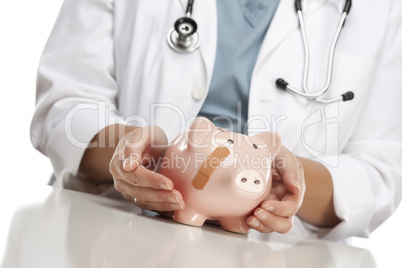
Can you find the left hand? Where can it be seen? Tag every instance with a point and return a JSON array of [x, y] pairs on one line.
[[288, 187]]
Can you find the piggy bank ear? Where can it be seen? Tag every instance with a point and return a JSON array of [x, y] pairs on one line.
[[270, 140], [198, 130]]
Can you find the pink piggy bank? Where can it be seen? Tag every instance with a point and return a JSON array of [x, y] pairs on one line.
[[221, 175]]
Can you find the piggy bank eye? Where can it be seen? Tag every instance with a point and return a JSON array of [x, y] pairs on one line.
[[230, 141], [255, 146]]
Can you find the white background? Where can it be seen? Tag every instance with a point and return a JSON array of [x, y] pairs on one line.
[[24, 29]]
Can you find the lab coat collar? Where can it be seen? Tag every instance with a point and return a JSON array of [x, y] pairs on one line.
[[338, 3], [254, 11], [312, 5]]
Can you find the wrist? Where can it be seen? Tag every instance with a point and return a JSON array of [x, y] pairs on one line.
[[318, 206]]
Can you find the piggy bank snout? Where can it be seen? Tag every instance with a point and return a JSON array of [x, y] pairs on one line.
[[251, 181]]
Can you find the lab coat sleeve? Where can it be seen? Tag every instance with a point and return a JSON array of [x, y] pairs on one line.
[[76, 88], [368, 180]]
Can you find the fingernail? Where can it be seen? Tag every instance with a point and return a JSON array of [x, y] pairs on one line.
[[165, 186], [127, 164], [174, 199], [178, 201], [268, 207], [297, 184], [254, 223], [176, 206], [135, 157], [261, 214]]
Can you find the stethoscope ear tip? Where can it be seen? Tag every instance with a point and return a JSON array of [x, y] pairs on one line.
[[282, 84], [348, 96]]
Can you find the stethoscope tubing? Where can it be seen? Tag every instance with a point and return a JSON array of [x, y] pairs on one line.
[[331, 55], [189, 9], [183, 40]]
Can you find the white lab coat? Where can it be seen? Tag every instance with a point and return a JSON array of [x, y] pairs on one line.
[[107, 58]]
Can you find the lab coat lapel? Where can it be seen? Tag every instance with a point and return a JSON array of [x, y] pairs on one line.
[[208, 27], [184, 5], [312, 5], [205, 14], [284, 23]]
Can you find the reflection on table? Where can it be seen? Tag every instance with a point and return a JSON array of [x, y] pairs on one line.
[[71, 229]]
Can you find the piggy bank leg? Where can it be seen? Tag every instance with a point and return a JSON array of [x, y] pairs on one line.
[[189, 216], [235, 224]]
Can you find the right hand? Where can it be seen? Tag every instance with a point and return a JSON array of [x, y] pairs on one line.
[[137, 183]]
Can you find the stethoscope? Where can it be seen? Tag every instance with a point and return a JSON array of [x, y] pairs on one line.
[[184, 38]]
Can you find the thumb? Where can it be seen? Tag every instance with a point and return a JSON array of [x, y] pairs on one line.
[[133, 161]]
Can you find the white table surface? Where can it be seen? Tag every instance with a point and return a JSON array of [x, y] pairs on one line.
[[61, 228]]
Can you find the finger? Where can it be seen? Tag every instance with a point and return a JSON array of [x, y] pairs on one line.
[[292, 178], [143, 177], [254, 223], [148, 194], [132, 147], [129, 198], [150, 141], [278, 224], [159, 206], [156, 206], [133, 161], [281, 208], [138, 138], [132, 158], [289, 167], [292, 183], [115, 165], [276, 175], [296, 195], [278, 191], [301, 178]]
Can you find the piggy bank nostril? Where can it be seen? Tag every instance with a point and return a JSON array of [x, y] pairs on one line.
[[243, 180], [257, 182]]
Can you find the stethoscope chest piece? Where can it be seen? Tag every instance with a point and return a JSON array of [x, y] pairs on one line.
[[183, 37]]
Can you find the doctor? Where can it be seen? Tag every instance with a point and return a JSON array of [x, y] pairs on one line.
[[108, 77]]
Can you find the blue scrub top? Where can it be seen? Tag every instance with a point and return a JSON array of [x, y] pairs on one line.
[[242, 25]]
